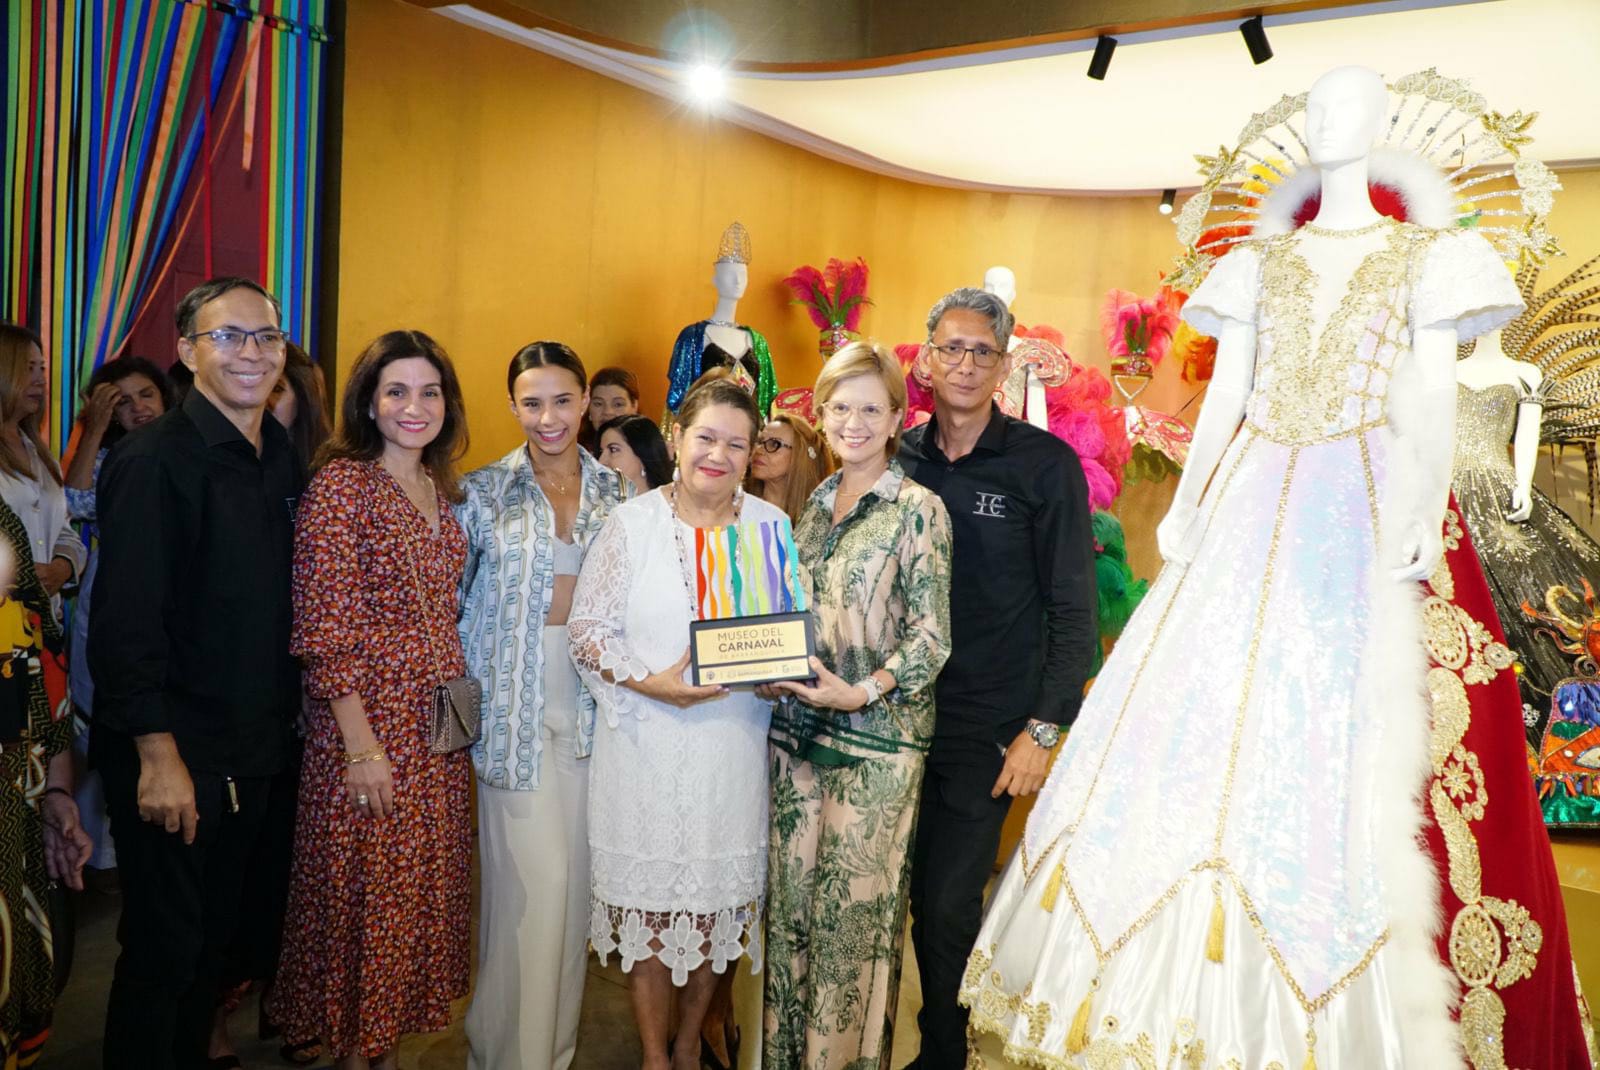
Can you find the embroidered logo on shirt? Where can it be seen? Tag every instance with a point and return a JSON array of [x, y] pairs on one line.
[[990, 505]]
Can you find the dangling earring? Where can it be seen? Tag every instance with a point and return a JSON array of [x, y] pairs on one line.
[[674, 472]]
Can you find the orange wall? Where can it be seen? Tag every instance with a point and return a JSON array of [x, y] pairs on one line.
[[493, 195]]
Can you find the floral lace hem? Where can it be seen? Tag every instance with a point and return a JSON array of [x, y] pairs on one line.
[[682, 940]]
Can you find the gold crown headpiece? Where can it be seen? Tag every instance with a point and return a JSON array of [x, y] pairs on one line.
[[735, 245]]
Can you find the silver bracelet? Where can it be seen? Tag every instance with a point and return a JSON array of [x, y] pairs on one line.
[[870, 685]]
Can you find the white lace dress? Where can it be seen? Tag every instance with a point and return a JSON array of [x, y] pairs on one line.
[[677, 797]]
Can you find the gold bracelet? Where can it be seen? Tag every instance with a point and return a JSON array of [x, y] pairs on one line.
[[365, 756]]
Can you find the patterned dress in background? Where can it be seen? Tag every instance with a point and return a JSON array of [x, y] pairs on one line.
[[376, 944], [845, 785], [30, 735], [1543, 563]]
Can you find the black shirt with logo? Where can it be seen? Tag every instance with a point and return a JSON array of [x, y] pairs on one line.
[[1022, 593], [192, 608]]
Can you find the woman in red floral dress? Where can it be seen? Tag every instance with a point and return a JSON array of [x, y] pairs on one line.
[[376, 941]]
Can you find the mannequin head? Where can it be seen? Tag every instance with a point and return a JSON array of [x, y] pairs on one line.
[[1344, 115], [730, 278], [1002, 282]]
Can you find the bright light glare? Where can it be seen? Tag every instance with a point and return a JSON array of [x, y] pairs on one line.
[[1164, 208], [705, 83]]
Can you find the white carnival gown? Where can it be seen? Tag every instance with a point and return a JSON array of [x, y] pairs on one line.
[[1241, 784]]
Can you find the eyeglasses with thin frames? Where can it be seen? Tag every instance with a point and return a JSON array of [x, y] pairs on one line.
[[839, 412], [233, 339], [953, 353]]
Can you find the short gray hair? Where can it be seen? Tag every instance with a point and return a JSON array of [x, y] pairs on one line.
[[974, 300]]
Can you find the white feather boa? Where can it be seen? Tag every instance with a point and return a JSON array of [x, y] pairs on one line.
[[1426, 194]]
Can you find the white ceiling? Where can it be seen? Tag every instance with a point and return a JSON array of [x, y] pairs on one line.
[[1038, 123]]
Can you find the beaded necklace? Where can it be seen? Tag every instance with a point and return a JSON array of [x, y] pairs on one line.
[[685, 568]]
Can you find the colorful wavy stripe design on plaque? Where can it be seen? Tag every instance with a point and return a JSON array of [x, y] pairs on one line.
[[747, 570], [112, 123]]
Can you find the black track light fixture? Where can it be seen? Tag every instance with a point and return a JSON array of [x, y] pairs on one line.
[[1101, 62], [1255, 39], [1168, 199]]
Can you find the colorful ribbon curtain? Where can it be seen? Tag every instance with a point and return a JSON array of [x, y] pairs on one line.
[[113, 121]]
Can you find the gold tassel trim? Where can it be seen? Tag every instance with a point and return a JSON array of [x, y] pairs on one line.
[[1052, 887], [1311, 1050], [1078, 1035], [1311, 1061], [1214, 933]]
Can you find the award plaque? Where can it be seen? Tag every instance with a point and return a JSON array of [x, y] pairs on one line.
[[753, 626], [751, 650]]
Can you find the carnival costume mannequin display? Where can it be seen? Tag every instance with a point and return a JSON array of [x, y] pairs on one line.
[[1022, 392], [721, 341], [1284, 914], [1538, 562]]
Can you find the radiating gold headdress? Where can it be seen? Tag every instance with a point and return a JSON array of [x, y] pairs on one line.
[[735, 246], [1454, 161]]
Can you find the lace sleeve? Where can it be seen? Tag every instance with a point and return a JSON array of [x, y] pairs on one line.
[[1465, 285], [599, 603], [1228, 292]]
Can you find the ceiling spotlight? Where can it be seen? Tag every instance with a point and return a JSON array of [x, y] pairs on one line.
[[1103, 47], [1255, 39], [1167, 199], [706, 83]]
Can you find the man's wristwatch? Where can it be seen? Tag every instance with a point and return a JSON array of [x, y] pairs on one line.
[[1044, 733]]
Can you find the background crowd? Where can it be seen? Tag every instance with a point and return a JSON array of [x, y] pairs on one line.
[[310, 645]]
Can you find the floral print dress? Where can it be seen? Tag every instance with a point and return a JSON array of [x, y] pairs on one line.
[[845, 785], [376, 940]]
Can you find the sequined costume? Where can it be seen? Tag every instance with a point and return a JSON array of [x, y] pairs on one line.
[[692, 358], [1223, 864], [1523, 563]]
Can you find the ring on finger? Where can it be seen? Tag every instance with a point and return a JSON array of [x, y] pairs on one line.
[[361, 800]]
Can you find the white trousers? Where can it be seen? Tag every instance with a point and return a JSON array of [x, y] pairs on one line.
[[533, 924]]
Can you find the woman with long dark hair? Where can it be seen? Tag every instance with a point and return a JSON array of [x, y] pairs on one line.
[[633, 447], [300, 403], [380, 890], [530, 518]]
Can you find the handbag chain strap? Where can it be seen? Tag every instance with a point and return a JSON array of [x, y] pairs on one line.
[[423, 602]]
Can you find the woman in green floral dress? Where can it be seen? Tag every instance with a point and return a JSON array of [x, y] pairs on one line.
[[848, 747]]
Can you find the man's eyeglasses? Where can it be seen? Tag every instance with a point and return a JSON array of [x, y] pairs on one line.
[[773, 445], [953, 353], [232, 340]]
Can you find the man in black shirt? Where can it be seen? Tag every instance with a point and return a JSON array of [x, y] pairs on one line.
[[1022, 607], [195, 689]]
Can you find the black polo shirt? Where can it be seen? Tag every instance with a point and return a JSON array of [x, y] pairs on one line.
[[1022, 593], [190, 628]]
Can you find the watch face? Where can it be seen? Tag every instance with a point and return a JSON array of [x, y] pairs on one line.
[[1046, 735]]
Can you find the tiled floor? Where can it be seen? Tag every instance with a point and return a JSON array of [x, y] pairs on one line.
[[606, 1040]]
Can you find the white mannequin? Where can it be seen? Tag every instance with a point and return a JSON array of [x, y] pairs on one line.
[[1345, 111], [730, 278], [1002, 282], [1490, 366]]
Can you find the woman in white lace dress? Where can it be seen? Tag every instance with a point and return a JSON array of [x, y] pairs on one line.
[[678, 790]]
